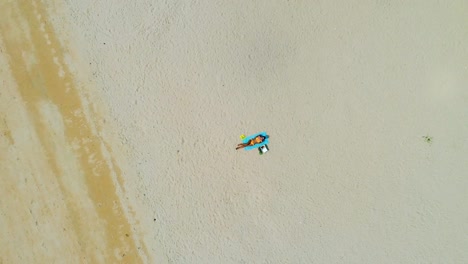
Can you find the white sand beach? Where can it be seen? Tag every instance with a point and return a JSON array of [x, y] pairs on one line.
[[119, 122]]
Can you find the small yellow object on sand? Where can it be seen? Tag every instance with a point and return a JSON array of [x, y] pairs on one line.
[[242, 136]]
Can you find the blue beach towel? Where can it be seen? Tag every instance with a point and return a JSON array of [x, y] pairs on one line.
[[256, 146]]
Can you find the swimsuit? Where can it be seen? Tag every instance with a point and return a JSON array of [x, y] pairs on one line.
[[255, 141]]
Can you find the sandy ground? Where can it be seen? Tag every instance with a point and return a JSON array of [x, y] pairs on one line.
[[119, 121]]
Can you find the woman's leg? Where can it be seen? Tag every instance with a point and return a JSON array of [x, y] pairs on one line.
[[242, 145]]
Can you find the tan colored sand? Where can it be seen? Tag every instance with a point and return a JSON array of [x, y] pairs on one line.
[[59, 182], [349, 92]]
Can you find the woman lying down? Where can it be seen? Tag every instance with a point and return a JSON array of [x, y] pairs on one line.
[[256, 140]]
